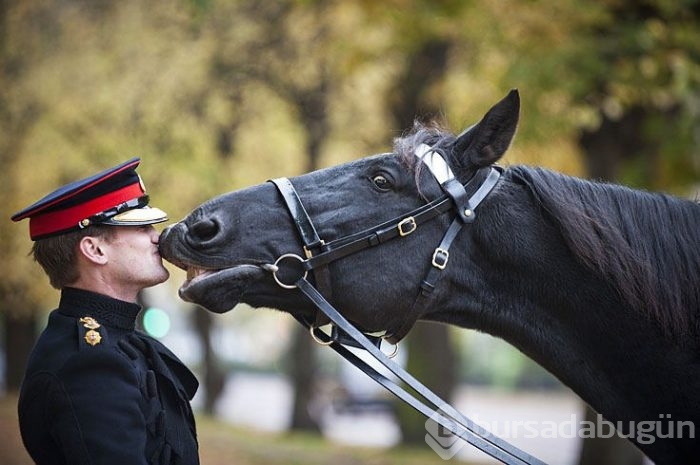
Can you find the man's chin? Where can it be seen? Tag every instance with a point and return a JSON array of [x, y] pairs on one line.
[[158, 278]]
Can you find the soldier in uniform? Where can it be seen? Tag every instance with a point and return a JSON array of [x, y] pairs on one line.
[[96, 391]]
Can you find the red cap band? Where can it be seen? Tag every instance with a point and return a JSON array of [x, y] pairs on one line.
[[69, 218]]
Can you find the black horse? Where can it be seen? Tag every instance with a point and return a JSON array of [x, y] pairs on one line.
[[596, 282]]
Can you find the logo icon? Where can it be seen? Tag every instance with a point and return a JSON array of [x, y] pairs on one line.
[[443, 442]]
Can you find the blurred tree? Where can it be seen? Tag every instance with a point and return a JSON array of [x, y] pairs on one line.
[[214, 375], [431, 357], [76, 96], [21, 299], [639, 136], [218, 95], [289, 51], [622, 77], [627, 77]]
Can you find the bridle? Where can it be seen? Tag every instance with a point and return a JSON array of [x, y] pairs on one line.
[[290, 271]]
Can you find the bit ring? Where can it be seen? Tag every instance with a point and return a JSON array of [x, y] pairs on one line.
[[277, 264]]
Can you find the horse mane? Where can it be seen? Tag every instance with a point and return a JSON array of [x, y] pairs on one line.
[[645, 244]]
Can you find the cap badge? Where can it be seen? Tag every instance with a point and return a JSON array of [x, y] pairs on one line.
[[92, 337], [89, 322]]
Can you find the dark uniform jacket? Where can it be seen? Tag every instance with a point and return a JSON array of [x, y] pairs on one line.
[[98, 392]]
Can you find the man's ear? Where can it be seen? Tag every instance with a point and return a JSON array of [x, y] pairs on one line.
[[92, 249]]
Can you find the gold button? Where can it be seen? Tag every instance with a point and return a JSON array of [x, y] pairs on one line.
[[92, 337]]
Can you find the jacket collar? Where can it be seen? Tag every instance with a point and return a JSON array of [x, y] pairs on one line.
[[107, 310]]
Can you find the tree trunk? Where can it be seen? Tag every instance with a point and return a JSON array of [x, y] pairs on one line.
[[313, 109], [20, 335], [618, 142], [431, 360], [410, 97], [302, 371], [213, 375]]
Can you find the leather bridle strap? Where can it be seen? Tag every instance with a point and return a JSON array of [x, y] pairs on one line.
[[466, 213], [398, 227], [441, 412], [345, 333], [302, 221], [312, 243]]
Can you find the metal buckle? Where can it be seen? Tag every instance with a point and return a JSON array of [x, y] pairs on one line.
[[440, 257], [409, 224], [309, 253]]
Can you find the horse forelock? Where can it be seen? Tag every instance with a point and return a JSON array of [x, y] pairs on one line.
[[433, 135], [644, 244]]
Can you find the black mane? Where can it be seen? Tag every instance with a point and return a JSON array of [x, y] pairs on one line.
[[645, 244]]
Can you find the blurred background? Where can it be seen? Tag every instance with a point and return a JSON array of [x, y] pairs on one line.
[[217, 95]]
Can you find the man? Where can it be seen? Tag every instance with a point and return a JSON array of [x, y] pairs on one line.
[[96, 391]]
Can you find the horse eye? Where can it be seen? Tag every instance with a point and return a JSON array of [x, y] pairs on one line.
[[381, 182]]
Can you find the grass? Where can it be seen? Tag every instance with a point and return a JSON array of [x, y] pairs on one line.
[[223, 444]]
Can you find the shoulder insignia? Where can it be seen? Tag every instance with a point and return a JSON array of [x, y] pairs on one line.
[[92, 336]]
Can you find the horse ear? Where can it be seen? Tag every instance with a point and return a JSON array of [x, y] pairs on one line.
[[485, 142]]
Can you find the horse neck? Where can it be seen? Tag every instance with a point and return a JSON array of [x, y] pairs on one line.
[[642, 243], [528, 287]]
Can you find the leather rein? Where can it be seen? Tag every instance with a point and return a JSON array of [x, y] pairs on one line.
[[290, 271]]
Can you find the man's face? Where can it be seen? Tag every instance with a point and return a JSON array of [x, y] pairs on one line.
[[133, 257]]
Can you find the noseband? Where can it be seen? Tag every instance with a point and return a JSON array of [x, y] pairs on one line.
[[290, 271]]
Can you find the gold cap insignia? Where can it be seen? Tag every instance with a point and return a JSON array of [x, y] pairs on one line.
[[89, 322], [92, 337]]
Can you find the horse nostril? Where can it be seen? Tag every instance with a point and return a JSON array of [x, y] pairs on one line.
[[204, 230]]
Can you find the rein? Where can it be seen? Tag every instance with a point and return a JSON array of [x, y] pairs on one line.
[[290, 271]]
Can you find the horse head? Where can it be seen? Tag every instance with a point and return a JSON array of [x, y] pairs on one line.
[[227, 244]]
